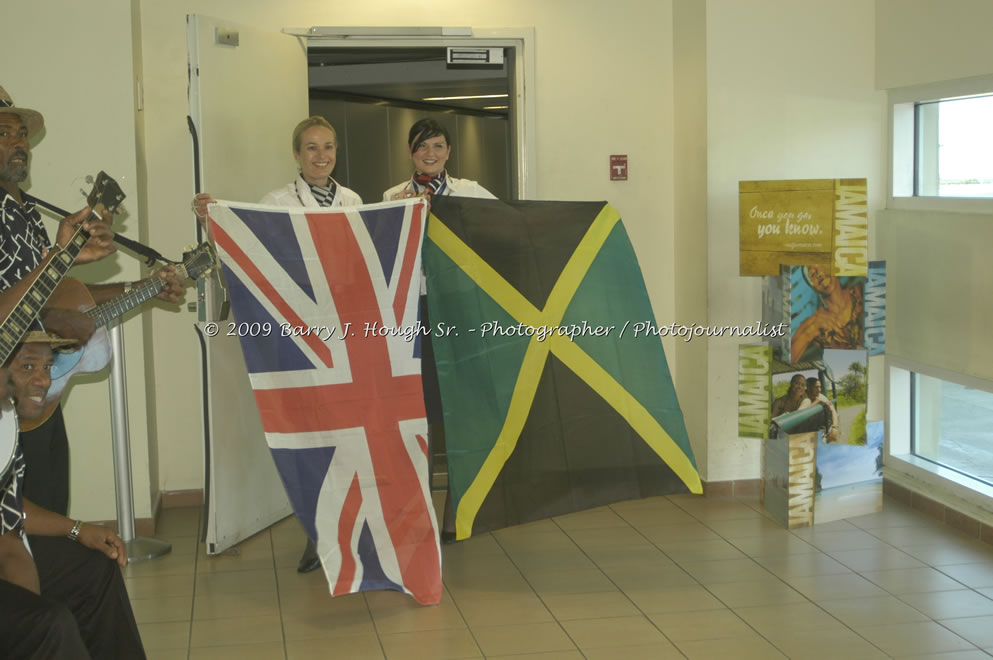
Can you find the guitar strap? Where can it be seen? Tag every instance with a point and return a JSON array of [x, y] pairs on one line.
[[151, 255]]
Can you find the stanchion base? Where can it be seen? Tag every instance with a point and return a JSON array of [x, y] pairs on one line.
[[142, 548]]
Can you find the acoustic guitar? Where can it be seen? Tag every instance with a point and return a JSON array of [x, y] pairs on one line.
[[106, 194], [95, 355]]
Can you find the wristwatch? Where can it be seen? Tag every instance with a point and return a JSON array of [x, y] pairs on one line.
[[74, 534]]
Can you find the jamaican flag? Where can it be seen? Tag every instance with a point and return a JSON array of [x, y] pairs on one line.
[[551, 403]]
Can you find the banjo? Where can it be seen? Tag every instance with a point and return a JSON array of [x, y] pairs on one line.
[[106, 194]]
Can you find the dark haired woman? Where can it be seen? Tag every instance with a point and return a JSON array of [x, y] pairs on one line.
[[429, 146]]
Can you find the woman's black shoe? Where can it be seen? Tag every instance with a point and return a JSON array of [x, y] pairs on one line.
[[309, 561]]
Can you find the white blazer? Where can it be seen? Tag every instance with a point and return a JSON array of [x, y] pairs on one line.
[[454, 187], [297, 193]]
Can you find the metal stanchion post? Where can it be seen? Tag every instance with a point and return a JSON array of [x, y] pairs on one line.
[[139, 548]]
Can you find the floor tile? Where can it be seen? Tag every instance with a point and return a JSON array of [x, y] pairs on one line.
[[668, 577], [595, 519], [829, 644], [797, 617], [590, 580], [449, 644], [549, 655], [974, 576], [158, 610], [665, 651], [912, 580], [709, 550], [269, 651], [226, 606], [165, 635], [522, 638], [237, 582], [352, 647], [977, 629], [881, 610], [834, 587], [857, 539], [328, 625], [565, 607], [802, 565], [707, 624], [751, 647], [919, 637], [613, 632], [951, 553], [772, 545], [748, 528], [159, 586], [951, 655], [177, 523], [875, 559], [242, 630], [685, 531], [950, 604], [732, 570], [526, 608]]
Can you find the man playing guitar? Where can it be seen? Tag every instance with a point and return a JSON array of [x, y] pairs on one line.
[[24, 246]]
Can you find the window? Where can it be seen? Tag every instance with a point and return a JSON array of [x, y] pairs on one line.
[[952, 425], [954, 147], [942, 146]]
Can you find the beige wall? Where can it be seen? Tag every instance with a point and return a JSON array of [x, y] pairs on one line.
[[926, 41], [790, 95], [690, 215]]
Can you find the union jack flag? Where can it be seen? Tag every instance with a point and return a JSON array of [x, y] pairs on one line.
[[326, 306]]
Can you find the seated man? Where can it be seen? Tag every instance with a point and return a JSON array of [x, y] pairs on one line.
[[814, 395], [68, 600]]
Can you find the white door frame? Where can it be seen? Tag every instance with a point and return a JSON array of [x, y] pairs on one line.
[[524, 112]]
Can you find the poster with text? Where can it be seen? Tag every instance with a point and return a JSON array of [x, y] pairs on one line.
[[803, 222]]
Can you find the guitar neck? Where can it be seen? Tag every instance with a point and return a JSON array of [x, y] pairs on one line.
[[107, 312], [27, 310]]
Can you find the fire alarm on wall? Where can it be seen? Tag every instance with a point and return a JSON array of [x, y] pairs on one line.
[[619, 167]]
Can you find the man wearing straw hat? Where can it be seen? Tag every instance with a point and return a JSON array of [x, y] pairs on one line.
[[24, 244], [61, 590]]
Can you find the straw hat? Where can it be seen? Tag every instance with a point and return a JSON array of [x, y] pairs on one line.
[[31, 118], [42, 337]]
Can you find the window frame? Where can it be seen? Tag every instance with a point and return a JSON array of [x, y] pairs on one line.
[[902, 466], [902, 151]]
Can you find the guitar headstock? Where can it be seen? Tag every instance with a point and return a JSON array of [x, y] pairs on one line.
[[106, 194], [197, 261]]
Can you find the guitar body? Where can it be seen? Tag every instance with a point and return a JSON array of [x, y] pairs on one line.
[[8, 441], [73, 294], [94, 356]]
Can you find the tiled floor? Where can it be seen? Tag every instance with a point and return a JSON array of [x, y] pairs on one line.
[[676, 577]]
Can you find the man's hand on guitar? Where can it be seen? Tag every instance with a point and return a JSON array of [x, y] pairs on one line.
[[174, 286], [68, 323], [103, 539], [101, 241]]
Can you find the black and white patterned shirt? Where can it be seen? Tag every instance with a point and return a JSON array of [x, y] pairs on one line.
[[324, 194], [11, 501], [23, 240]]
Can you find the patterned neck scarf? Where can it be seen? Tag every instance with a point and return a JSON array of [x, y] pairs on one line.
[[324, 196], [433, 185]]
